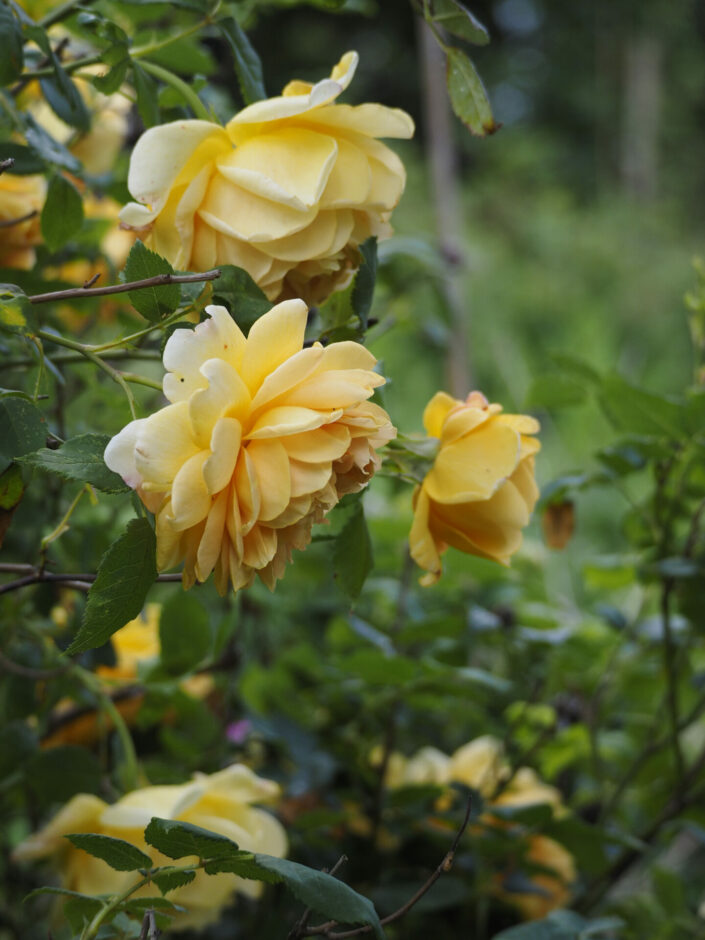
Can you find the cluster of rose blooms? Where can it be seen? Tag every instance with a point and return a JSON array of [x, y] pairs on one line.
[[262, 435]]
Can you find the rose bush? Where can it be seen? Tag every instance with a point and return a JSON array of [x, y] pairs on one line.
[[222, 802], [480, 492], [286, 190], [261, 439]]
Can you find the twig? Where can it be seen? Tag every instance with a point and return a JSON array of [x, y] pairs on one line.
[[8, 223], [27, 672], [91, 281], [297, 930], [7, 164], [444, 867], [79, 357], [157, 281], [80, 581]]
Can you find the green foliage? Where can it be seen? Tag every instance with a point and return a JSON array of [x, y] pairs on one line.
[[236, 290], [22, 428], [248, 67], [16, 314], [184, 635], [11, 46], [467, 94], [120, 855], [352, 553], [80, 459], [125, 574], [62, 215], [152, 302]]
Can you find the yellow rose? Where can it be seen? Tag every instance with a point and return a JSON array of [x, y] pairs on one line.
[[261, 439], [526, 789], [137, 642], [554, 889], [428, 766], [97, 148], [21, 197], [480, 492], [221, 802], [286, 190], [480, 764]]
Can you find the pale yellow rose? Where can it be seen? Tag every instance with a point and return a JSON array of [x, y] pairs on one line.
[[222, 802], [286, 190], [21, 197], [428, 766], [480, 492], [480, 764], [527, 788], [261, 439], [97, 148]]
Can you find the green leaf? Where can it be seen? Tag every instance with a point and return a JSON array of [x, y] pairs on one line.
[[11, 46], [22, 429], [534, 814], [177, 839], [169, 879], [16, 314], [454, 18], [147, 101], [80, 459], [561, 925], [62, 215], [120, 855], [26, 161], [141, 905], [57, 774], [239, 293], [48, 149], [323, 893], [152, 302], [62, 892], [352, 554], [184, 634], [125, 574], [467, 94], [630, 408], [60, 92], [109, 83], [364, 283], [248, 67]]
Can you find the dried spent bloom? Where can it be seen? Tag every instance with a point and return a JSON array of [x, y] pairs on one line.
[[287, 190], [480, 492], [21, 198], [261, 439], [222, 802]]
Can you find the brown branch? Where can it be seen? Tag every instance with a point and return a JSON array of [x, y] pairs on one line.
[[8, 223], [81, 582], [157, 281], [91, 281], [444, 867]]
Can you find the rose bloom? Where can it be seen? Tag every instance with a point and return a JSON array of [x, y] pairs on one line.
[[97, 148], [525, 789], [220, 802], [135, 644], [479, 764], [287, 190], [480, 492], [261, 439], [20, 196]]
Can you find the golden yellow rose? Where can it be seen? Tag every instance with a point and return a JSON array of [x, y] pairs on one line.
[[21, 202], [134, 644], [261, 439], [480, 492], [222, 802], [286, 190]]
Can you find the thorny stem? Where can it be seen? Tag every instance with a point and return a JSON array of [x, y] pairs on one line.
[[81, 582]]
